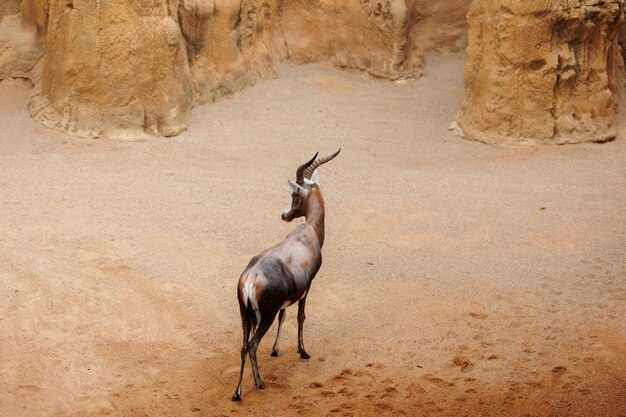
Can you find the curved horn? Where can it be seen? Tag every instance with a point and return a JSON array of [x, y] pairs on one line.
[[309, 170], [300, 171]]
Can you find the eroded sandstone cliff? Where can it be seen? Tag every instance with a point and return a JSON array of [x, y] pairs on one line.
[[229, 43], [368, 35], [20, 48], [130, 68], [541, 71], [386, 38], [9, 7], [116, 68], [21, 44]]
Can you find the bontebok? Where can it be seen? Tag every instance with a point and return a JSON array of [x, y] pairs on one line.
[[281, 276]]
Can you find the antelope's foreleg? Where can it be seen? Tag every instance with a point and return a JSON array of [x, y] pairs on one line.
[[281, 318], [301, 317]]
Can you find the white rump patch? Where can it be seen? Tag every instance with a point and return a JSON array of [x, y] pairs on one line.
[[249, 293]]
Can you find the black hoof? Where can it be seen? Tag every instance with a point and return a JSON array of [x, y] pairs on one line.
[[274, 354], [305, 355], [236, 397], [260, 385]]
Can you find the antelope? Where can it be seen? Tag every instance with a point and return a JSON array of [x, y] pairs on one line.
[[281, 276]]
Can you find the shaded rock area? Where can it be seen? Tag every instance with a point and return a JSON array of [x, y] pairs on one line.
[[21, 45], [366, 35], [386, 38], [229, 43], [20, 48], [440, 25], [8, 7], [35, 12], [541, 72]]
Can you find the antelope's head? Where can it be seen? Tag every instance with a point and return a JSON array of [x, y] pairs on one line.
[[306, 184]]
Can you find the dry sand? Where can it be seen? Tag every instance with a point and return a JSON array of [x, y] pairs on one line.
[[447, 288]]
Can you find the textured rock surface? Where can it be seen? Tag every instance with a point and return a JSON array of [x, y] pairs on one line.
[[386, 38], [541, 71], [440, 25], [368, 35], [35, 12], [20, 48], [115, 67], [229, 44], [8, 7], [21, 43], [126, 68]]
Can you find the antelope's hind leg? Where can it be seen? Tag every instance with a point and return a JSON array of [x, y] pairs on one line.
[[267, 318], [281, 318], [247, 327]]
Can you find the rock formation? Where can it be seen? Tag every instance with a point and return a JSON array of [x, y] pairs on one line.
[[20, 48], [35, 12], [541, 71], [386, 38], [131, 68], [9, 7], [229, 44], [368, 35], [116, 68], [537, 72], [440, 25]]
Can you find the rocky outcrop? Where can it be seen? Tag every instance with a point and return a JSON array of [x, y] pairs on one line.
[[21, 44], [35, 12], [117, 68], [367, 35], [537, 72], [20, 48], [386, 38], [541, 71], [130, 68], [9, 7], [229, 44]]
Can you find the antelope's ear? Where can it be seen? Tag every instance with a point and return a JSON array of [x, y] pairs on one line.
[[297, 189]]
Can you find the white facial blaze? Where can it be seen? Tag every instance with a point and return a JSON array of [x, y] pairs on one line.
[[288, 209]]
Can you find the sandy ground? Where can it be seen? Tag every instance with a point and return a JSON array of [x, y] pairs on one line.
[[458, 278]]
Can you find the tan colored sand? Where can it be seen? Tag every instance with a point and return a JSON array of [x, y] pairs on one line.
[[446, 289]]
